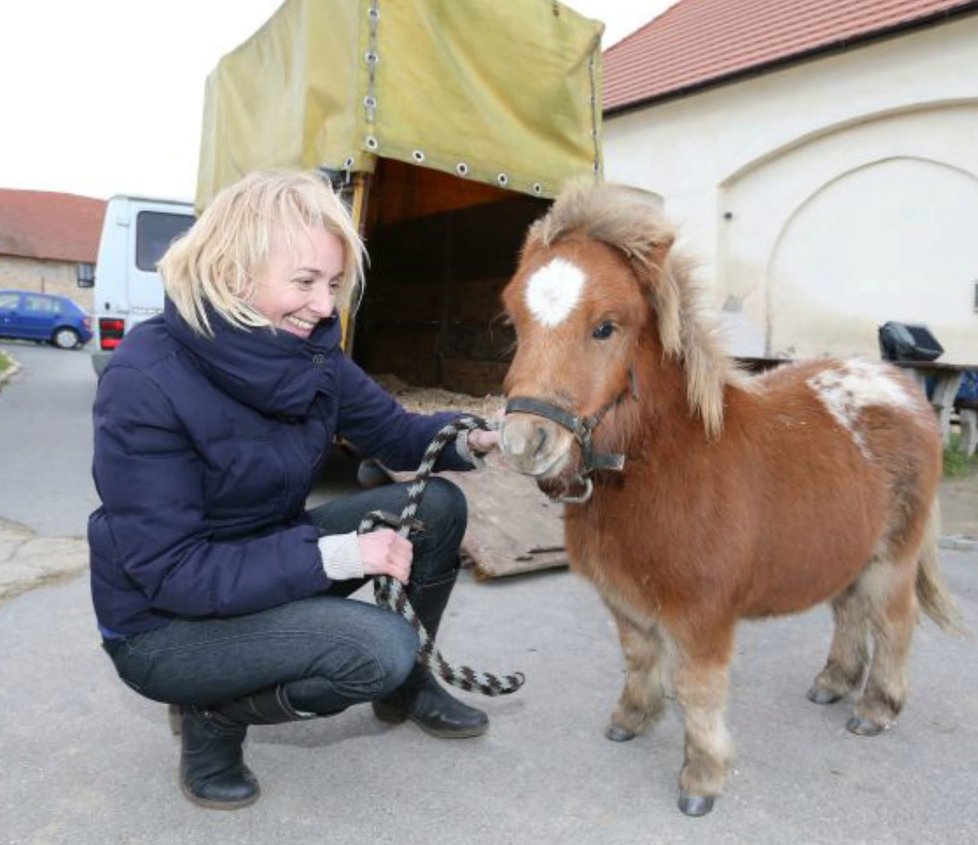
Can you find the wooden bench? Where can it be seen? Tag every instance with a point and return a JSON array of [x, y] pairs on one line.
[[947, 381]]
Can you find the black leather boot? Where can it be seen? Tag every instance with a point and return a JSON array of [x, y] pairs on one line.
[[421, 698], [212, 769], [266, 707]]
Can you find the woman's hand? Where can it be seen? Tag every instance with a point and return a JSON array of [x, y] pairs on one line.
[[481, 441], [385, 552]]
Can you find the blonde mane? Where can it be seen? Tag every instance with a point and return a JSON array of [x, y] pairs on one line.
[[629, 220]]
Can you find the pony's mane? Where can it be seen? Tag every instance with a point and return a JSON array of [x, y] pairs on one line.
[[630, 221]]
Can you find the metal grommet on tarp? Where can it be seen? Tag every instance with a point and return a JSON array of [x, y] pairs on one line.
[[418, 156], [502, 179], [462, 169], [371, 57], [370, 102], [537, 188], [373, 13], [348, 164], [372, 142]]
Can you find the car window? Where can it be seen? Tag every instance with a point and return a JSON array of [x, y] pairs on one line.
[[155, 231], [41, 304], [9, 300]]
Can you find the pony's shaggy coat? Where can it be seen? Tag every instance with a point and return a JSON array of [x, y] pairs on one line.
[[740, 497]]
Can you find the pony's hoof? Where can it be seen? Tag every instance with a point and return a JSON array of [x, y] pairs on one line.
[[864, 727], [695, 805], [820, 695], [617, 733]]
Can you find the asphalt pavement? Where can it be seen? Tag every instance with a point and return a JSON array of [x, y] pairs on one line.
[[85, 760]]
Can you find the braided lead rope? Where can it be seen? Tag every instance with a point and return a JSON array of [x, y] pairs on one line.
[[389, 593]]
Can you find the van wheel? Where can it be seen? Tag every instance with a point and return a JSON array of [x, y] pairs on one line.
[[66, 338]]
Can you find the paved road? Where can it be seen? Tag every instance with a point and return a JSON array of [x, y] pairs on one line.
[[45, 417], [84, 760]]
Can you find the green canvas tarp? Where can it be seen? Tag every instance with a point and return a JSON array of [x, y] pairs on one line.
[[505, 92]]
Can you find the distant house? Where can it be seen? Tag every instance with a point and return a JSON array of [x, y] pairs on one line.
[[44, 236], [820, 158]]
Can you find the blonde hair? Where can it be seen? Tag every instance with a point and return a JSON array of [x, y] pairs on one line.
[[219, 259]]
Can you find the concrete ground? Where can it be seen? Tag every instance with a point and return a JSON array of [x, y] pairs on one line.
[[85, 760]]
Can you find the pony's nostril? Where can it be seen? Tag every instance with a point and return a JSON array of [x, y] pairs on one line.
[[539, 441]]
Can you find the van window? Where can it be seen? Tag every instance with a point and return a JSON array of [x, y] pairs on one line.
[[155, 231]]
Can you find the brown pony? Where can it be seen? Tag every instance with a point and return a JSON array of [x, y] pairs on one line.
[[697, 496]]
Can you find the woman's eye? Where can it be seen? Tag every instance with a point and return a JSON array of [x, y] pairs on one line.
[[603, 330]]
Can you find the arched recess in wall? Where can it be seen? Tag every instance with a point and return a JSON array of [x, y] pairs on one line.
[[892, 239]]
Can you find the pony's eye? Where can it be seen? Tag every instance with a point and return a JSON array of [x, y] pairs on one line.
[[603, 331]]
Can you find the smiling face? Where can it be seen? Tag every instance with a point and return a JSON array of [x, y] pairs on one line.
[[299, 283]]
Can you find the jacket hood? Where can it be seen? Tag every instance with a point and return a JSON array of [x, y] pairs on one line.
[[274, 372]]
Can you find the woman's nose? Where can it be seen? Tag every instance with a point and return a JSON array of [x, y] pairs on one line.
[[323, 302]]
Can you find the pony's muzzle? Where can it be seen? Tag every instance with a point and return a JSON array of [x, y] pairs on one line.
[[532, 445]]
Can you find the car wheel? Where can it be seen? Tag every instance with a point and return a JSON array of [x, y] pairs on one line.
[[65, 338]]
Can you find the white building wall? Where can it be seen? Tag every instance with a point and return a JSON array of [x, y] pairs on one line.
[[828, 197]]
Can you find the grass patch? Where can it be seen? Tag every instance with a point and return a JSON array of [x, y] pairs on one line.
[[5, 362], [956, 463]]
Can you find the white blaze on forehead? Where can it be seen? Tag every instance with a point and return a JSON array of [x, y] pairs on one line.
[[855, 385], [554, 290]]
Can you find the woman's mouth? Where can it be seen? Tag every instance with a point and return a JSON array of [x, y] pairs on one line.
[[296, 325]]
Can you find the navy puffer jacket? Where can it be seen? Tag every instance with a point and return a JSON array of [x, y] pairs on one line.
[[205, 452]]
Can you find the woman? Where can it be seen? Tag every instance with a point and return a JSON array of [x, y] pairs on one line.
[[214, 589]]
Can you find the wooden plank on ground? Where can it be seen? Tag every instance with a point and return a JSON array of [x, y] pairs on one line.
[[513, 528]]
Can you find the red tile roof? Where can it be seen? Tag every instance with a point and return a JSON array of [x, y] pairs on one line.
[[697, 42], [42, 224]]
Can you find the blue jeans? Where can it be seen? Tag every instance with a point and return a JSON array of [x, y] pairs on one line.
[[328, 651]]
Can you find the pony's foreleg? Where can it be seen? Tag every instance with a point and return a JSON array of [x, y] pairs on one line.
[[701, 687], [892, 608], [848, 655], [641, 700]]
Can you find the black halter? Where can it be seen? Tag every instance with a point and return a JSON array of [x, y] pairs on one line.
[[582, 428]]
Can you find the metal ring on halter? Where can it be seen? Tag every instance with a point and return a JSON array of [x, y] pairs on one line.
[[583, 497]]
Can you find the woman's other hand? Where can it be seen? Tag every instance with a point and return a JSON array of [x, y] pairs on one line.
[[385, 552], [481, 441]]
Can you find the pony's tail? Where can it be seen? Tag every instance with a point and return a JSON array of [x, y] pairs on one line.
[[932, 592]]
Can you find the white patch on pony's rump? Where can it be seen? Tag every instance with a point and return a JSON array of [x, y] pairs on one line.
[[554, 290], [847, 389]]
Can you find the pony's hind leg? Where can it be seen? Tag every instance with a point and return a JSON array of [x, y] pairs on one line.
[[641, 700], [889, 591], [848, 654]]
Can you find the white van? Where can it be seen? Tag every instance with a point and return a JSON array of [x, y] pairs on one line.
[[127, 287]]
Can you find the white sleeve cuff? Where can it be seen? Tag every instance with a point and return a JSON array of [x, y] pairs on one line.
[[341, 556], [465, 453]]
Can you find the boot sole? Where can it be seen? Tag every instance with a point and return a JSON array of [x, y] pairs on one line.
[[393, 715], [218, 805], [460, 733]]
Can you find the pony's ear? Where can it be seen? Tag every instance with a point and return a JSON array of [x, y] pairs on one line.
[[659, 251], [654, 272]]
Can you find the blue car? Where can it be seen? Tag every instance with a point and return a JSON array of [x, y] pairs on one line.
[[44, 317]]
